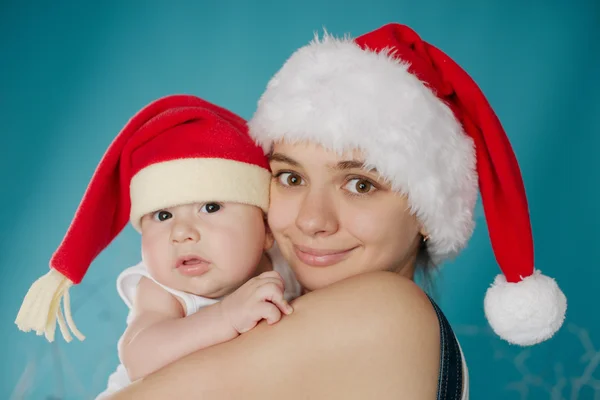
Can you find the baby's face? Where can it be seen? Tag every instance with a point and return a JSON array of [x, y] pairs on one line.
[[207, 249]]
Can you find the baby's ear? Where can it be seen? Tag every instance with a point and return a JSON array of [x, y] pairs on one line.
[[269, 239]]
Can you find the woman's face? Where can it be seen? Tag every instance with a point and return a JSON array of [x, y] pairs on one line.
[[333, 219]]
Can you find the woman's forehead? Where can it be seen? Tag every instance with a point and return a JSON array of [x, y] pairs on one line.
[[303, 152]]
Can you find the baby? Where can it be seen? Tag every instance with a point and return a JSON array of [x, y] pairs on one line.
[[188, 177]]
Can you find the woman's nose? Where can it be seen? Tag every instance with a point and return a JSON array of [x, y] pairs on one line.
[[317, 216], [183, 231]]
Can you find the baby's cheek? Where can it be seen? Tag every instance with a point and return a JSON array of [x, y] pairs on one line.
[[238, 249], [155, 254], [147, 253]]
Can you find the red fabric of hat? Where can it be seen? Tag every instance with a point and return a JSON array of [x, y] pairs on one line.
[[177, 150]]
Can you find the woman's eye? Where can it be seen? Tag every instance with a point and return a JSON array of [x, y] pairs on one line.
[[162, 216], [289, 179], [210, 208], [359, 186]]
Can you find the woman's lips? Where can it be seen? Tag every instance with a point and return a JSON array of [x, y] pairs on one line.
[[321, 257]]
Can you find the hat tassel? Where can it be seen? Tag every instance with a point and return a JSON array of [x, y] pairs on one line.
[[41, 309]]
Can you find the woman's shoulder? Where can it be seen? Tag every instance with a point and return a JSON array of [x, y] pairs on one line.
[[424, 334], [387, 314], [384, 299], [392, 292]]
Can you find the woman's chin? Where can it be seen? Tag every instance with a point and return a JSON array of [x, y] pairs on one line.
[[312, 279]]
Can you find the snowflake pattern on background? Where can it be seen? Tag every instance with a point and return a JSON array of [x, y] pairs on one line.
[[566, 385], [50, 359]]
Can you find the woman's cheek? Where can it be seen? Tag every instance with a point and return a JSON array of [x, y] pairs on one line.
[[282, 212], [365, 224], [382, 225], [277, 218]]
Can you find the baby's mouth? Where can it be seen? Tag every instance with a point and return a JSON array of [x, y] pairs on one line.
[[190, 260], [192, 265]]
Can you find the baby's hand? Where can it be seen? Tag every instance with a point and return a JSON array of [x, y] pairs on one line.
[[259, 298]]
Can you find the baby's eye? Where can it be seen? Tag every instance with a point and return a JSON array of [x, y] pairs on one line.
[[290, 179], [162, 215], [359, 186], [210, 208]]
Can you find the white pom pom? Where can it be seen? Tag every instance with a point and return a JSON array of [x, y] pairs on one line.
[[526, 312]]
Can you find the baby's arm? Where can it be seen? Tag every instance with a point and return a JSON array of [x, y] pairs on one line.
[[160, 334]]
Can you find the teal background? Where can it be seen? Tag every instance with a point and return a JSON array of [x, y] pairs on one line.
[[74, 72]]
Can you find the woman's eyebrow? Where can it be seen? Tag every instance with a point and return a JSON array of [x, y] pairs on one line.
[[340, 166], [352, 164], [278, 157]]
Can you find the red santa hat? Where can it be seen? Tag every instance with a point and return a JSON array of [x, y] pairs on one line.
[[177, 150], [428, 129]]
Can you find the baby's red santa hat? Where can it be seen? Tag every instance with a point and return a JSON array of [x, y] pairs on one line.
[[425, 125], [177, 150]]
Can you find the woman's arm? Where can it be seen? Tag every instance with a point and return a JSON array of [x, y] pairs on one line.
[[371, 336]]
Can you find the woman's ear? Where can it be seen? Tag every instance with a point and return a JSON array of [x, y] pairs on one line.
[[423, 233]]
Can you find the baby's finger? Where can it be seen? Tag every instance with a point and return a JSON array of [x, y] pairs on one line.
[[265, 277], [271, 274], [274, 294], [270, 313], [271, 281]]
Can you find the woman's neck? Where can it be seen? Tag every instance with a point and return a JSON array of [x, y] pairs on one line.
[[406, 267]]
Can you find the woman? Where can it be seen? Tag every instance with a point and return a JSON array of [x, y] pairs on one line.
[[377, 146]]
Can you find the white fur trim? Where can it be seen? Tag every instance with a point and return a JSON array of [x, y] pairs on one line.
[[527, 312], [332, 92], [196, 180]]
